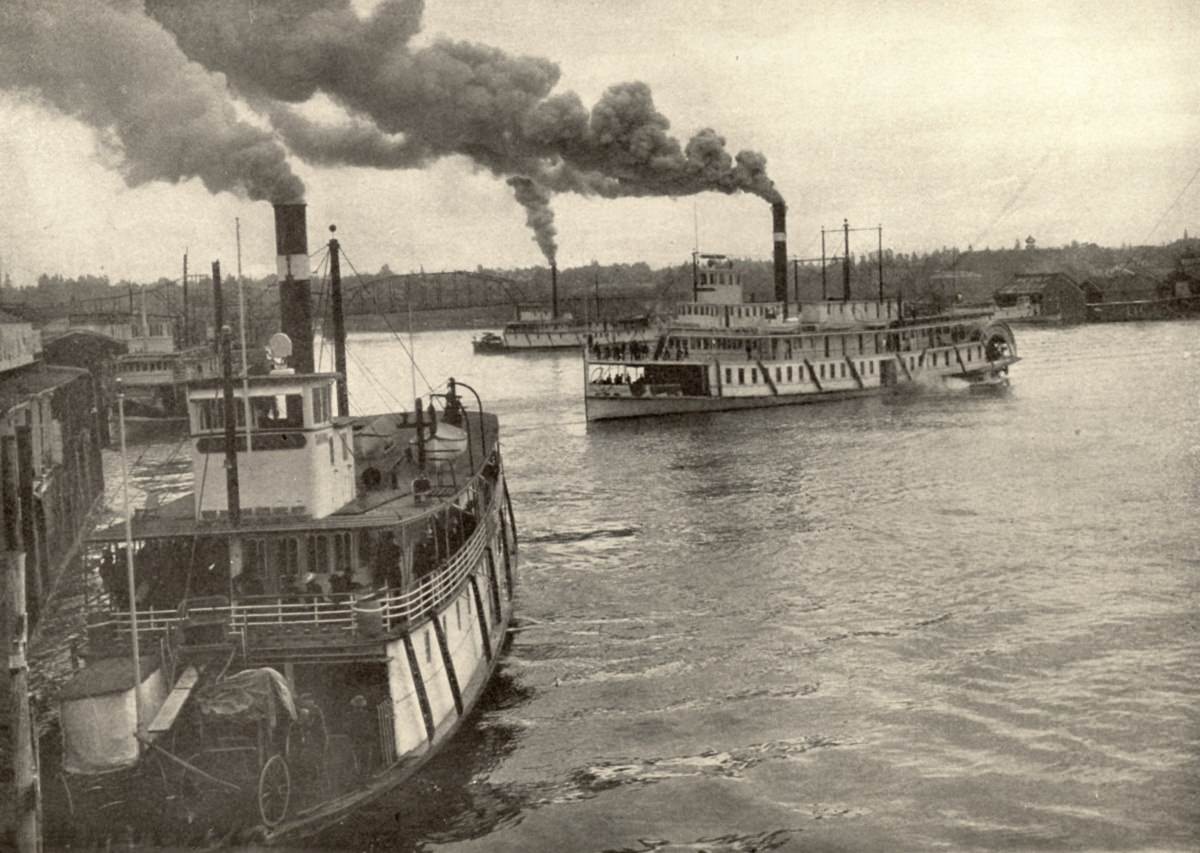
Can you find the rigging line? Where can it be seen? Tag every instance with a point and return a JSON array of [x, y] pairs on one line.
[[1172, 205], [412, 359], [370, 374]]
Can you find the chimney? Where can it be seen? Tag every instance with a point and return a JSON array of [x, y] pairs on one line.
[[553, 290], [779, 217], [295, 299]]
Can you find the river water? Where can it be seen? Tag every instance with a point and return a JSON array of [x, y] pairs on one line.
[[935, 621]]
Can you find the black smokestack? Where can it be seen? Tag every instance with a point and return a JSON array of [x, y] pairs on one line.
[[779, 217], [295, 298], [554, 290]]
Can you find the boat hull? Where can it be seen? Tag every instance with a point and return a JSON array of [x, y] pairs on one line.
[[602, 407], [475, 666]]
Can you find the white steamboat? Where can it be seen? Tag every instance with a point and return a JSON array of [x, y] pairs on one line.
[[308, 626], [722, 353]]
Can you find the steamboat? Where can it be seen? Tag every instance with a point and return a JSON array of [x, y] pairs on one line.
[[538, 329], [721, 353], [308, 626]]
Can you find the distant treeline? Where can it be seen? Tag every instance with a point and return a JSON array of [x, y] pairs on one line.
[[945, 275]]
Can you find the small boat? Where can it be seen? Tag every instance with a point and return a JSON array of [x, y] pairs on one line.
[[722, 353], [488, 342], [306, 628]]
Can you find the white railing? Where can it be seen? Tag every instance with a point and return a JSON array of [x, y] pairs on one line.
[[440, 586], [335, 612]]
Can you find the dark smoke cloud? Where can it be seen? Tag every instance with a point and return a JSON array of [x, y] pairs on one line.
[[538, 214], [411, 104], [166, 116]]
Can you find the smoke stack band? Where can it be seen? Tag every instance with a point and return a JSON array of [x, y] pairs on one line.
[[295, 297]]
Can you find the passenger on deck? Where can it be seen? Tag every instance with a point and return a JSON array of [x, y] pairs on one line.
[[248, 583], [341, 583], [313, 588]]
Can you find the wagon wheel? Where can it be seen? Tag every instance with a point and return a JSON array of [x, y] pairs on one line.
[[274, 790]]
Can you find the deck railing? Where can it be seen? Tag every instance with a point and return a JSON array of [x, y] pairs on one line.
[[338, 616]]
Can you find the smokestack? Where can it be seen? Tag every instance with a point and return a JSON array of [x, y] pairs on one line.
[[295, 299], [779, 216], [553, 290]]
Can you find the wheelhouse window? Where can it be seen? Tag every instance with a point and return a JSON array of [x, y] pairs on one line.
[[322, 411]]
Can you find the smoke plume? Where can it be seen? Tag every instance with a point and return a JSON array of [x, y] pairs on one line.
[[165, 116], [156, 78], [408, 105], [538, 214]]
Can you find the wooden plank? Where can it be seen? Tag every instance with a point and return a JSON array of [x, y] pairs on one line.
[[165, 718]]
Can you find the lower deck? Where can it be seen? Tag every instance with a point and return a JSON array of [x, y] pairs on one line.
[[636, 388]]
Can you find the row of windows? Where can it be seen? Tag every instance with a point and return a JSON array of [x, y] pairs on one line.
[[868, 343], [784, 373], [144, 366], [270, 412]]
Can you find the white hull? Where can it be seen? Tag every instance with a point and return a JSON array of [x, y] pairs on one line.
[[609, 402]]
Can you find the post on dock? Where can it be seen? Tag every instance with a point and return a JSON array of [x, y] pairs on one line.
[[25, 802]]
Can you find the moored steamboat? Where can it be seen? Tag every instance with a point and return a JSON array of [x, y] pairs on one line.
[[305, 629]]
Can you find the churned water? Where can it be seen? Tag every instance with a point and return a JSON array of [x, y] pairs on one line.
[[935, 621]]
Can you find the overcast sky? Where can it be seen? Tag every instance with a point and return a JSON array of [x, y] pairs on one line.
[[949, 123]]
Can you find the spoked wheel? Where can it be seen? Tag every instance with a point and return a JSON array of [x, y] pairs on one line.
[[70, 799], [274, 790]]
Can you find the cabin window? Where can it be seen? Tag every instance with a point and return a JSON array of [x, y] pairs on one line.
[[321, 409], [753, 375], [428, 648], [789, 373], [741, 376], [778, 374], [318, 554], [821, 368], [843, 370], [457, 615], [729, 376]]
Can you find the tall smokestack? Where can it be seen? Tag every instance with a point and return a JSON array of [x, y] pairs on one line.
[[295, 299], [553, 290], [779, 216]]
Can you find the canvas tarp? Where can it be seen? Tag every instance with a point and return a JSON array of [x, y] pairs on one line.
[[98, 716], [247, 696]]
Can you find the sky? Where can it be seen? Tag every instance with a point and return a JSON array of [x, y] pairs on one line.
[[948, 123]]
